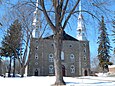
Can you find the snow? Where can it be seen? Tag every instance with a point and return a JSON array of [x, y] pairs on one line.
[[49, 80], [111, 66], [102, 74], [108, 74]]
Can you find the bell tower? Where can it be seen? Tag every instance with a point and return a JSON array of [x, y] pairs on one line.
[[36, 23], [81, 30]]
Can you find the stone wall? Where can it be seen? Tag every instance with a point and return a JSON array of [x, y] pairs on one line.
[[39, 57]]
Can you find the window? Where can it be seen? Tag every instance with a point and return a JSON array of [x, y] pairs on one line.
[[36, 63], [52, 44], [84, 50], [84, 57], [72, 69], [36, 41], [62, 55], [85, 64], [51, 57], [36, 47], [51, 69], [84, 44], [72, 58], [36, 56], [70, 45]]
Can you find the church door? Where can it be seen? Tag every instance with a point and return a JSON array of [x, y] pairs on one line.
[[36, 73], [85, 73], [63, 70]]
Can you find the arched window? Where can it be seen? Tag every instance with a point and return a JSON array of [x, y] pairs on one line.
[[72, 69], [36, 56], [84, 58], [62, 55], [84, 50], [72, 57], [36, 47], [51, 69], [51, 57]]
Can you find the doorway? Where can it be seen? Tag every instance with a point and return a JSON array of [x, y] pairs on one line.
[[36, 72], [85, 73], [63, 70]]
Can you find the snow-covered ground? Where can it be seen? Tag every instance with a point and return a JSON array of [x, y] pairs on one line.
[[49, 80]]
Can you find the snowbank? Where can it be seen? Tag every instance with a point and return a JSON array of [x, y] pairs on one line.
[[102, 74], [49, 80], [109, 74], [111, 66]]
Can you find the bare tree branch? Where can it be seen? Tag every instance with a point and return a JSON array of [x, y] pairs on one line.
[[68, 17], [64, 10], [46, 15]]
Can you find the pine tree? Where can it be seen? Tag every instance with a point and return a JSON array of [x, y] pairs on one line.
[[11, 43], [104, 47], [113, 34]]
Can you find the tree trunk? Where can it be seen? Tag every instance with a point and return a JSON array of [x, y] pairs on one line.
[[22, 71], [9, 70], [105, 69], [14, 68], [57, 59]]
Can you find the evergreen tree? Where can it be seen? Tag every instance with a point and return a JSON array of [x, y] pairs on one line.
[[113, 34], [104, 47], [11, 43], [114, 30]]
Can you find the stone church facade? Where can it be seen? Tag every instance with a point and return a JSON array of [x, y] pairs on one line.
[[75, 54], [75, 57]]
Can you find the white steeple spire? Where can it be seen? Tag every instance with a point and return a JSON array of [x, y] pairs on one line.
[[81, 31], [80, 7], [36, 22]]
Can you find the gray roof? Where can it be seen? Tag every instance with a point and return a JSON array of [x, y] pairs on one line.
[[65, 37]]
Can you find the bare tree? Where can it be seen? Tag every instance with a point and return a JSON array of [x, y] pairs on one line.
[[24, 13], [58, 14], [62, 10], [58, 30], [94, 64]]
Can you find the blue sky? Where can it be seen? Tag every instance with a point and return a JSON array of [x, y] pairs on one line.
[[91, 27]]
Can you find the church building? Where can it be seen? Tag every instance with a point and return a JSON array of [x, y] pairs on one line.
[[75, 54]]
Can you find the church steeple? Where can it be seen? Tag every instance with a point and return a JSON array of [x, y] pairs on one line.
[[36, 22], [81, 31]]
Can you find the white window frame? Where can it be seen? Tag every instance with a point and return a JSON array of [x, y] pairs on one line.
[[62, 55], [36, 56], [36, 47], [84, 58], [36, 63], [72, 57], [51, 59], [51, 69], [84, 44], [72, 69], [84, 50]]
